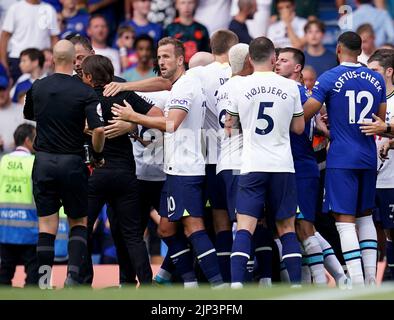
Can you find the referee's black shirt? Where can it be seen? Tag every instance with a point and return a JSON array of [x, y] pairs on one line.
[[60, 104], [118, 152]]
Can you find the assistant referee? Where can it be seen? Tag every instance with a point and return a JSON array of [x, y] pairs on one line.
[[60, 104]]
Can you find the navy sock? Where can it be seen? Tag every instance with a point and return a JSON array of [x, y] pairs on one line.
[[77, 250], [224, 243], [291, 256], [262, 239], [390, 256], [206, 255], [167, 264], [45, 256], [181, 256], [240, 255]]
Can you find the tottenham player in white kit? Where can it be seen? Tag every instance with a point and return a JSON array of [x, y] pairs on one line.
[[184, 165], [382, 61], [229, 166], [212, 77], [268, 106]]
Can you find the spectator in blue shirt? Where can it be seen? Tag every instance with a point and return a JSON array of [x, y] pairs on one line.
[[379, 19], [73, 21], [31, 63], [140, 22], [316, 55]]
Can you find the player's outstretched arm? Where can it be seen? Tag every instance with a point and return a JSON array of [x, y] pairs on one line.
[[297, 124], [166, 124], [146, 85], [311, 107]]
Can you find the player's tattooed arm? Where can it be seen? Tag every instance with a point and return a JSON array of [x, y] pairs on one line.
[[231, 124]]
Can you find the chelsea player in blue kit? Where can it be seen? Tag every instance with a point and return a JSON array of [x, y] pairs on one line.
[[317, 251], [353, 94]]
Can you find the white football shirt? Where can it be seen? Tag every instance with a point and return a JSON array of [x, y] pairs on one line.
[[230, 147], [385, 178], [183, 153], [212, 77], [266, 104], [31, 25], [149, 159]]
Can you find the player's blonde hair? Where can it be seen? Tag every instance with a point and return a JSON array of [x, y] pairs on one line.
[[237, 56]]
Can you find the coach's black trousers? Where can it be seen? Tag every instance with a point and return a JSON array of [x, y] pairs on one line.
[[119, 189], [15, 254]]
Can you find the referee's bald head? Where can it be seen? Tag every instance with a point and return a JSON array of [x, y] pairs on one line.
[[63, 52]]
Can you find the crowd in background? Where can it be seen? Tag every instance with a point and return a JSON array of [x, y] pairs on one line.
[[127, 32]]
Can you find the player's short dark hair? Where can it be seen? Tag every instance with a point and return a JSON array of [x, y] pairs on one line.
[[350, 40], [144, 37], [100, 68], [23, 131], [279, 1], [178, 45], [222, 40], [385, 57], [34, 55], [261, 49], [298, 55], [365, 28], [319, 24], [83, 41]]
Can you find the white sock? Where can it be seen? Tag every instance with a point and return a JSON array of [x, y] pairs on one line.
[[190, 285], [306, 276], [331, 262], [237, 285], [284, 275], [351, 251], [368, 244], [315, 260]]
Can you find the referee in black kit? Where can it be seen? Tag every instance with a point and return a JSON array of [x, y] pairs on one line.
[[115, 183], [60, 104]]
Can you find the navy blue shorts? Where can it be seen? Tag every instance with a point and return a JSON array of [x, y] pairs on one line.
[[350, 191], [228, 186], [182, 196], [384, 211], [307, 195], [213, 198], [277, 191]]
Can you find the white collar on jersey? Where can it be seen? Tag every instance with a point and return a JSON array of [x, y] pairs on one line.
[[350, 64], [22, 149]]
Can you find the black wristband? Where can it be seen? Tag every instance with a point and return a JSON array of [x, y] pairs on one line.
[[97, 155], [388, 128]]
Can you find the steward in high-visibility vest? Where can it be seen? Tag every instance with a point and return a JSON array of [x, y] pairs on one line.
[[18, 216]]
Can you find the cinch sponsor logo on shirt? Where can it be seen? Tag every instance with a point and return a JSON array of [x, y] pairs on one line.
[[179, 102], [354, 75], [262, 90]]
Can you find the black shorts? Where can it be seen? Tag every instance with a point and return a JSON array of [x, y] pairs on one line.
[[60, 180]]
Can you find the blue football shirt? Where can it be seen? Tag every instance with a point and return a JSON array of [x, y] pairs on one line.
[[305, 163], [351, 93]]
